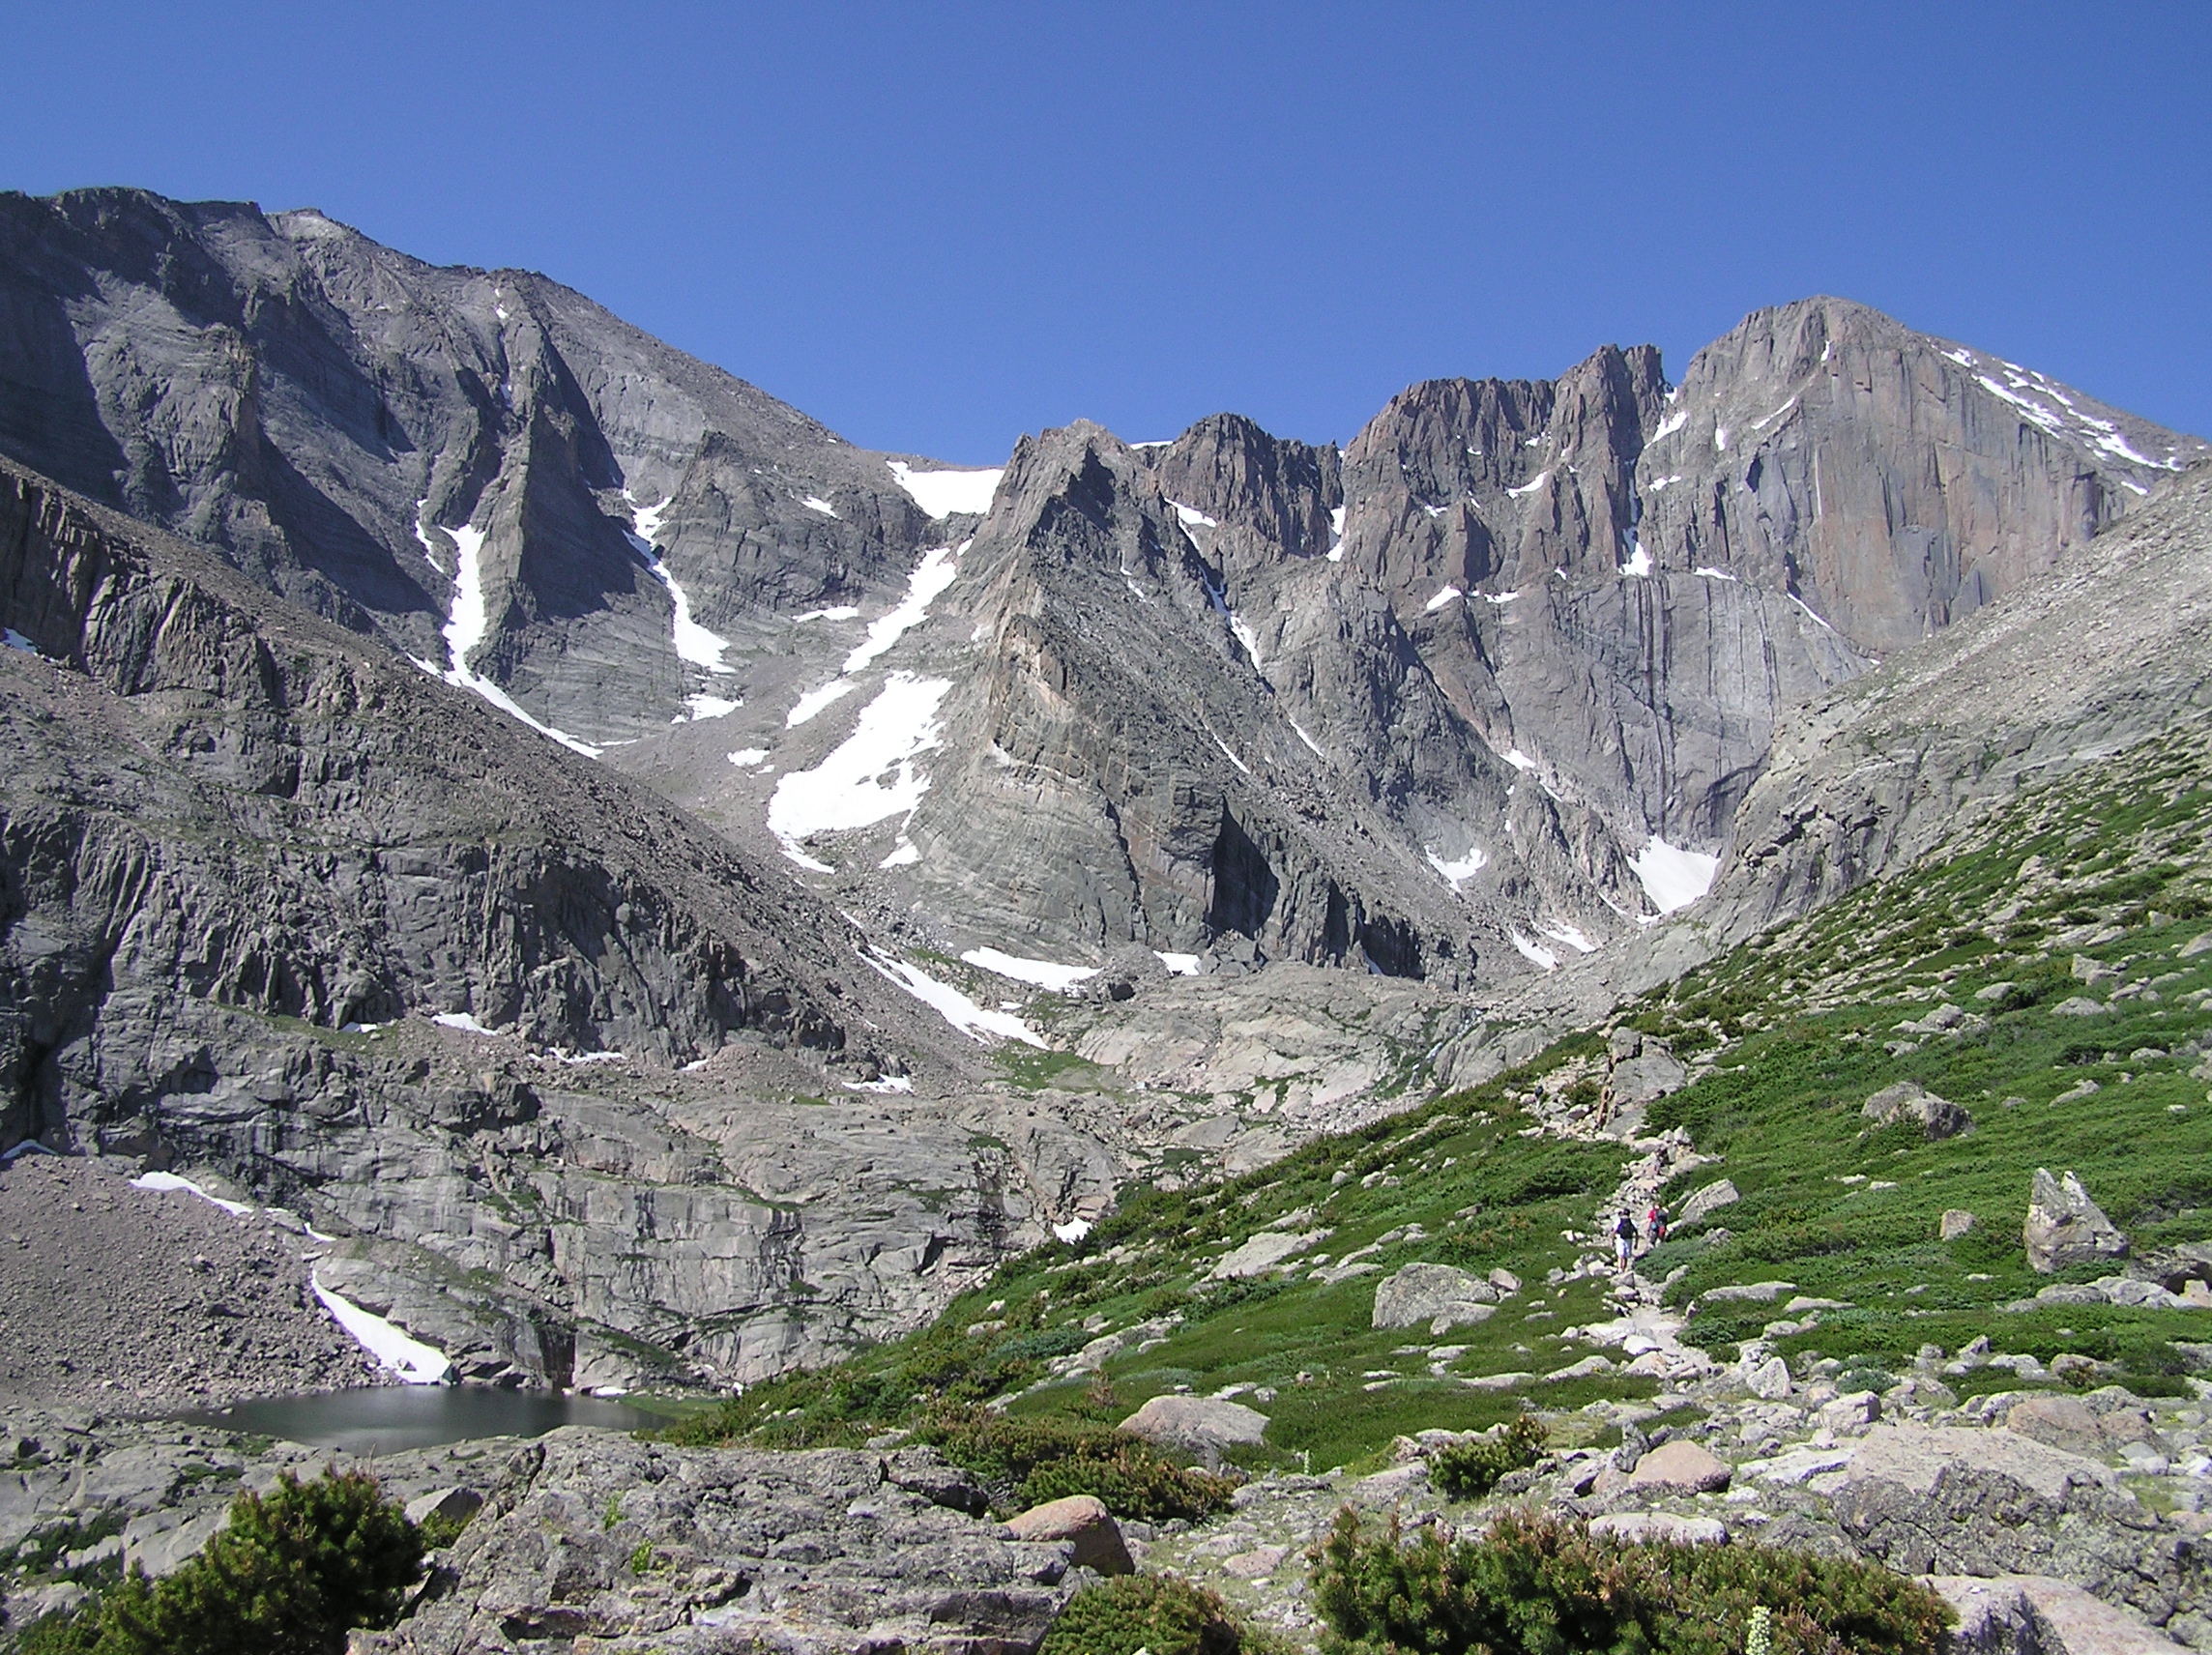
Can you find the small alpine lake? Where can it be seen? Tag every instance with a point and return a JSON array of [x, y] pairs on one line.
[[384, 1419]]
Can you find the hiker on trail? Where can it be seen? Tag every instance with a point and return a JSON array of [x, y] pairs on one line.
[[1624, 1238], [1654, 1227]]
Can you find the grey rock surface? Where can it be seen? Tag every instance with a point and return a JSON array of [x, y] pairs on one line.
[[2065, 1228], [1937, 1117], [1437, 1296], [818, 1552], [1196, 1423]]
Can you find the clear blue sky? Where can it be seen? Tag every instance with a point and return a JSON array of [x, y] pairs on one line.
[[936, 226]]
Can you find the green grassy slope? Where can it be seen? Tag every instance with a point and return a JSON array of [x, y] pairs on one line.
[[1789, 1034]]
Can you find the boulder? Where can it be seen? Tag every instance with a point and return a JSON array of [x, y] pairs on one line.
[[2065, 1228], [1682, 1465], [1707, 1200], [1084, 1520], [454, 1506], [1938, 1118], [1648, 1078], [1434, 1294], [2039, 1614], [1661, 1527], [1746, 1292], [1505, 1281], [1199, 1424], [2078, 1006], [1956, 1222], [2058, 1421], [1770, 1379], [1262, 1253]]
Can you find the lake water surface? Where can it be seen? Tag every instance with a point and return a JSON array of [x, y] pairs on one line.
[[387, 1419]]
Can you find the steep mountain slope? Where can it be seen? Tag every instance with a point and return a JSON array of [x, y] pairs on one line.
[[452, 457], [1505, 665], [250, 862]]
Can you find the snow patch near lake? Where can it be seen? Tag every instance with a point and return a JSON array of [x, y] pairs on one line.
[[942, 493], [1044, 973], [950, 1004], [1674, 878], [870, 776], [415, 1362]]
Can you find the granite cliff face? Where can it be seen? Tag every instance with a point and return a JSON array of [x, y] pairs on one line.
[[735, 1018]]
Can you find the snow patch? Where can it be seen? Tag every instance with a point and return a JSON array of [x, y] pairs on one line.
[[1232, 757], [1044, 973], [942, 493], [1300, 729], [166, 1181], [1531, 486], [815, 700], [1458, 873], [1178, 965], [693, 642], [467, 623], [931, 576], [1639, 563], [744, 758], [842, 612], [1337, 535], [904, 854], [1073, 1231], [887, 1085], [1674, 878], [1440, 599], [1519, 760], [1808, 608], [1660, 484], [815, 503], [1501, 598], [1762, 425], [1192, 517], [1571, 935], [1714, 573], [950, 1004], [463, 1021], [1246, 637], [870, 776], [1535, 953], [415, 1362], [1672, 424], [1720, 438], [711, 706]]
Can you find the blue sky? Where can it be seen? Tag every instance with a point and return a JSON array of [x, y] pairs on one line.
[[935, 228]]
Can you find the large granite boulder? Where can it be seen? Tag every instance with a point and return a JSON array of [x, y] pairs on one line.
[[2065, 1228], [1937, 1117], [1433, 1296], [1199, 1424]]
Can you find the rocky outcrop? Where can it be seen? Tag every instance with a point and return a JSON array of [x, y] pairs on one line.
[[1937, 1117], [1436, 1294], [638, 1546], [2065, 1228]]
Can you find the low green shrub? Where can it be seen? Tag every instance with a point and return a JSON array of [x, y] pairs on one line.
[[1469, 1470], [1027, 1462], [1163, 1613], [1533, 1585], [291, 1574]]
